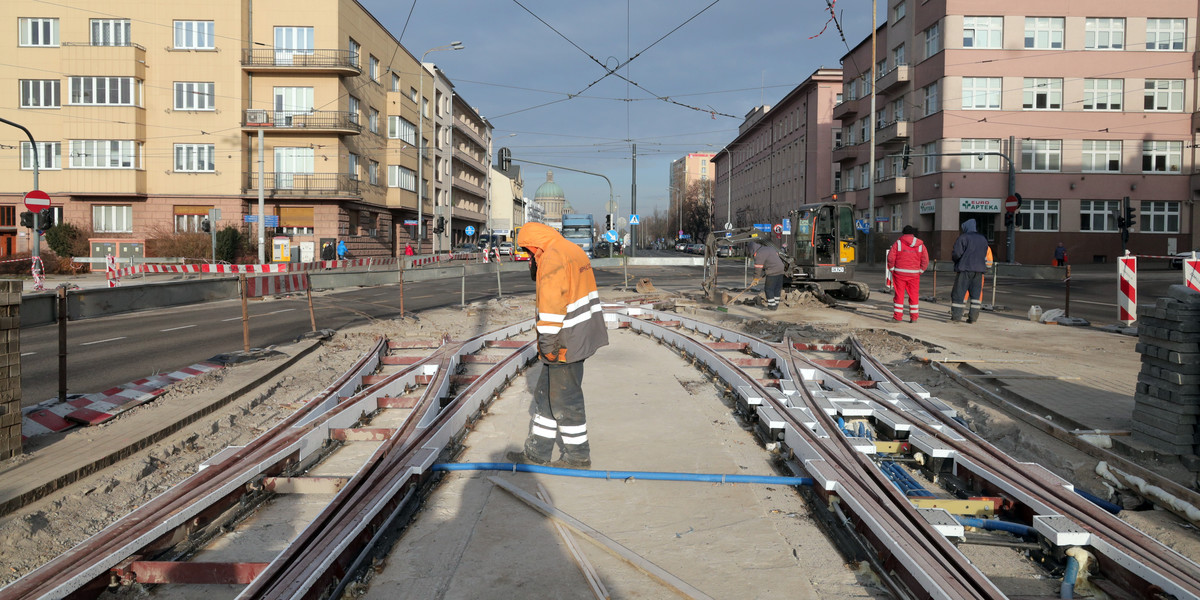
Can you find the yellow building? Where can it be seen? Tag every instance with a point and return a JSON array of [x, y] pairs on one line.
[[148, 115]]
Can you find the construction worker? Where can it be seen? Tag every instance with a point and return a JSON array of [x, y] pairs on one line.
[[906, 260], [768, 264], [971, 261], [570, 328]]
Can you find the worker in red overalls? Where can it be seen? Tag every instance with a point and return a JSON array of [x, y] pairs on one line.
[[907, 259]]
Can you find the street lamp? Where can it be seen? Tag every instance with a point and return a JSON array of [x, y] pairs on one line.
[[678, 210], [421, 142]]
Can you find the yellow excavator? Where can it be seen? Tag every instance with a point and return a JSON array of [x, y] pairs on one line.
[[820, 259]]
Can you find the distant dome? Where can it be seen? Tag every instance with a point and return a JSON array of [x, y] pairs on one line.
[[549, 190]]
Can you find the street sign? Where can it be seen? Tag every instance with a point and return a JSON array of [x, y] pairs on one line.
[[787, 227], [1012, 204], [634, 220], [763, 227], [214, 214], [778, 229], [410, 222], [621, 222], [37, 200], [684, 236], [728, 225], [680, 233], [882, 219], [271, 220], [861, 225], [250, 218], [610, 235], [470, 230]]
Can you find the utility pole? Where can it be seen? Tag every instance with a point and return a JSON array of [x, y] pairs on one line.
[[871, 152], [633, 206], [37, 237]]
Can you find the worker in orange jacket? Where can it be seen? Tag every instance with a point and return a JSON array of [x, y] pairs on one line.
[[570, 328]]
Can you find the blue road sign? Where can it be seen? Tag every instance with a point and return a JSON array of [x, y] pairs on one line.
[[410, 221], [787, 227], [763, 227], [610, 235], [470, 230], [250, 218], [684, 236], [861, 225], [271, 220], [634, 220]]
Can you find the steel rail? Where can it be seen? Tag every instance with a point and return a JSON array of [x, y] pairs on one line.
[[893, 522], [1135, 547]]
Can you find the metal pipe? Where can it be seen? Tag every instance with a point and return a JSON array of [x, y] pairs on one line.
[[624, 475]]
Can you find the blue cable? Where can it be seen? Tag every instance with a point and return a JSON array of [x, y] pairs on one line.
[[623, 475]]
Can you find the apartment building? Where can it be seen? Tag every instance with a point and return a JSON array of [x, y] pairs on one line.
[[689, 170], [1092, 102], [781, 157], [507, 202], [470, 170], [442, 151], [145, 119]]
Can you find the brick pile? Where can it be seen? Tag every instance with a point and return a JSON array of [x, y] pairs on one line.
[[1166, 411], [10, 368]]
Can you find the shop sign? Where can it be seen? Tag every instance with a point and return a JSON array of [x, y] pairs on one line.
[[989, 205], [927, 207]]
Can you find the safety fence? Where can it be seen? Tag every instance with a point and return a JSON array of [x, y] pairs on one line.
[[1127, 281]]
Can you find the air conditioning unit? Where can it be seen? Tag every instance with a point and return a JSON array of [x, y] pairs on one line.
[[257, 118]]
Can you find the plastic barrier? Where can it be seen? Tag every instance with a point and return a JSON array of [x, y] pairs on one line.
[[1127, 292]]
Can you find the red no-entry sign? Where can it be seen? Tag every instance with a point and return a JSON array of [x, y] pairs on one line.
[[1012, 204], [37, 200]]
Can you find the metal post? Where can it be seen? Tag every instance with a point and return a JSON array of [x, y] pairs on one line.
[[262, 228], [1012, 189], [245, 314], [402, 265], [499, 291], [463, 301], [633, 207], [62, 343], [312, 316], [37, 238], [421, 157], [871, 152], [1067, 301]]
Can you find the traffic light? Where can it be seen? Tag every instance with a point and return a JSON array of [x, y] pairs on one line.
[[45, 219], [27, 219], [907, 156], [505, 159], [1130, 216], [608, 222], [205, 225], [440, 226]]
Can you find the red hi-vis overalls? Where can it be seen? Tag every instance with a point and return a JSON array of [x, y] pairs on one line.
[[907, 259]]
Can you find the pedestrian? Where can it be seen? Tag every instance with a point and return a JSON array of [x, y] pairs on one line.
[[408, 250], [341, 249], [570, 328], [327, 251], [970, 256], [1060, 255], [906, 260], [767, 263]]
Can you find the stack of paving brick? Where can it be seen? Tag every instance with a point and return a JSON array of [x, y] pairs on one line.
[[10, 368], [1166, 412]]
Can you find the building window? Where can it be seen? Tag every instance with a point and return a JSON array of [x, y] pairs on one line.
[[864, 132], [981, 93], [1042, 93], [104, 154], [293, 40], [899, 11], [189, 218], [933, 40], [296, 220], [837, 138], [1103, 94], [864, 175], [929, 162], [1160, 217], [980, 162], [401, 177], [399, 128], [109, 91], [352, 164], [1045, 33], [897, 219], [354, 107], [931, 99], [49, 156], [1164, 95], [1161, 157], [35, 31], [983, 32], [194, 35], [194, 158], [1104, 34], [41, 93], [1041, 155], [395, 82], [373, 172], [880, 174], [1038, 215], [837, 181], [1098, 215], [374, 68], [1165, 34], [112, 219], [1101, 156], [194, 95], [898, 109], [412, 94], [355, 49], [110, 32], [373, 120], [898, 59]]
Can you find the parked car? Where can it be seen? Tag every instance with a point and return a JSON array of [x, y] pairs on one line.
[[520, 254], [602, 248], [1177, 262], [467, 247], [681, 246], [505, 248], [696, 248], [724, 250]]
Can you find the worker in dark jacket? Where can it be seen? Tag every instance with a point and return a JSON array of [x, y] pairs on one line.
[[570, 328], [970, 256], [768, 264]]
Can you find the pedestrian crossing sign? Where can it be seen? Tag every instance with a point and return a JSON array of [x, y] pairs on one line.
[[634, 220]]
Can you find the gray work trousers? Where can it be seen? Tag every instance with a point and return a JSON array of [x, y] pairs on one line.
[[964, 282], [558, 413]]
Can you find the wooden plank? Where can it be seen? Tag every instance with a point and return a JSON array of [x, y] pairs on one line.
[[505, 344], [605, 542], [753, 362]]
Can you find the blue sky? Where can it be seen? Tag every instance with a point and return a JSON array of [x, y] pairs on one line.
[[730, 56]]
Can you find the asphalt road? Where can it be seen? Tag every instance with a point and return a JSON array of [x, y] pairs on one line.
[[109, 351]]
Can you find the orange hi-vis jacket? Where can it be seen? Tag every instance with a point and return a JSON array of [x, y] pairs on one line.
[[570, 320]]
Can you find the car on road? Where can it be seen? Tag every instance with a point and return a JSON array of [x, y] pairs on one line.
[[696, 248], [467, 247], [1177, 261], [603, 247], [724, 250], [505, 248], [681, 246], [520, 254]]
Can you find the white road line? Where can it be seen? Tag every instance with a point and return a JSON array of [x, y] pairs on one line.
[[1096, 303], [233, 319], [1037, 296], [102, 341], [177, 328], [280, 311], [28, 353]]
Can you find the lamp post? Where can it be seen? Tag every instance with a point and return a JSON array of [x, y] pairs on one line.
[[678, 210], [728, 186], [421, 142]]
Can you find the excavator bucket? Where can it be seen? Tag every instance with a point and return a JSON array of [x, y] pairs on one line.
[[645, 286]]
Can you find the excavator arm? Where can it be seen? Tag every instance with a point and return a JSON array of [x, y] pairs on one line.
[[740, 235]]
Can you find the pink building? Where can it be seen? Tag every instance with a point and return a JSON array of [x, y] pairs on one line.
[[1097, 98]]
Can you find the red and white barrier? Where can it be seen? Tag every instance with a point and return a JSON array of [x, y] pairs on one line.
[[253, 269], [110, 268], [269, 285], [39, 274], [1191, 272], [1127, 293]]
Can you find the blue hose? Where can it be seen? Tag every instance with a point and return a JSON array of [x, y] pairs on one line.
[[996, 525], [622, 475], [1068, 583], [903, 480], [1098, 501]]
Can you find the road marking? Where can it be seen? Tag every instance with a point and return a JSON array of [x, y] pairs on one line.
[[28, 353], [280, 311], [233, 319], [1096, 303], [177, 328], [102, 341], [1037, 296]]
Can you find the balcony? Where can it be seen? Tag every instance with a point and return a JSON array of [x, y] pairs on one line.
[[467, 159], [290, 121], [891, 132], [341, 62], [891, 186], [845, 153], [303, 184], [471, 134], [468, 187], [845, 109], [113, 60], [898, 75]]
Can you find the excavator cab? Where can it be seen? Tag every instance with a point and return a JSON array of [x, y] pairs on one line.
[[825, 250]]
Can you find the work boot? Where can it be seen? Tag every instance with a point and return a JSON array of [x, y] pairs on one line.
[[523, 459], [574, 461]]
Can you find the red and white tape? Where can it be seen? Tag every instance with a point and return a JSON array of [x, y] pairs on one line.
[[269, 285], [1127, 292], [252, 269]]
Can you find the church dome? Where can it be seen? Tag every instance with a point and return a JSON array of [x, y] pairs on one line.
[[549, 190]]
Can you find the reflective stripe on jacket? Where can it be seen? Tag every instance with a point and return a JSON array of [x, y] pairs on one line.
[[908, 255], [570, 320]]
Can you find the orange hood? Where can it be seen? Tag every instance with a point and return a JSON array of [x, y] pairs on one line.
[[537, 236]]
